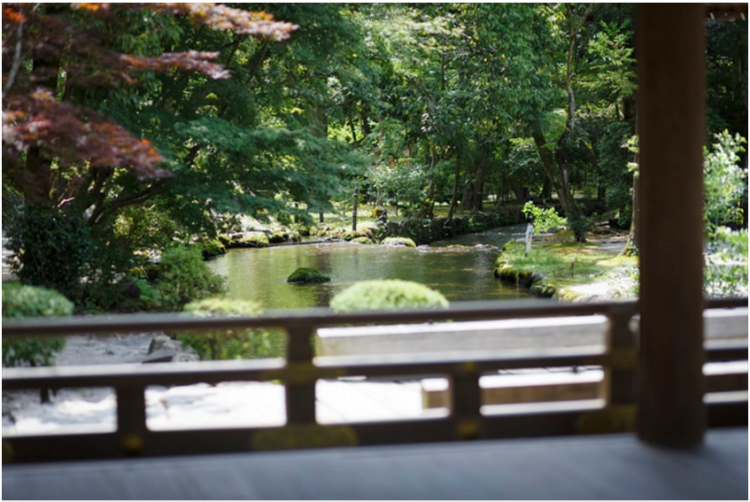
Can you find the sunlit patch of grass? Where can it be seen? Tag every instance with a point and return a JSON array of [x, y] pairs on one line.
[[563, 261]]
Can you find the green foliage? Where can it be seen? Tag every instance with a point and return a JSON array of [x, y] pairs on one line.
[[387, 295], [726, 269], [612, 69], [185, 277], [232, 343], [52, 249], [145, 228], [399, 241], [522, 163], [543, 219], [307, 275], [27, 301], [211, 248], [724, 181], [149, 297]]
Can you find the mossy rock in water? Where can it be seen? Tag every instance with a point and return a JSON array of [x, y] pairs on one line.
[[387, 295], [363, 240], [352, 235], [307, 276], [399, 241]]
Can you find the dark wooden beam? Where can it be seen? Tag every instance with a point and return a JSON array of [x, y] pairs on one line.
[[671, 95]]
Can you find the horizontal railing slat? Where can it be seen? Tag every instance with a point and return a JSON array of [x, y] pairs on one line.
[[313, 318], [274, 369]]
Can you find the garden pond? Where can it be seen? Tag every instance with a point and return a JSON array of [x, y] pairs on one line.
[[460, 268]]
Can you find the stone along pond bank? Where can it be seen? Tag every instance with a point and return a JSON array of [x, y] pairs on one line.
[[420, 231]]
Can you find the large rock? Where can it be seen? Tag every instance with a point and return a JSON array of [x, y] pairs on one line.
[[164, 349]]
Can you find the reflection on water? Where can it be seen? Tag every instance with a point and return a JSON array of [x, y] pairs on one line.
[[462, 272]]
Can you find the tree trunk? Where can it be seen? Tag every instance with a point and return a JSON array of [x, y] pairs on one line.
[[354, 208], [35, 180], [558, 179], [454, 197], [479, 189], [521, 193], [546, 191], [601, 190], [468, 197], [428, 211], [631, 249]]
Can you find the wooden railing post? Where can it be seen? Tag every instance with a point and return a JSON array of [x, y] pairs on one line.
[[300, 389], [622, 346], [131, 419], [467, 402]]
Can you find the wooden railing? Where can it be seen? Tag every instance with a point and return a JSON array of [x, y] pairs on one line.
[[467, 418]]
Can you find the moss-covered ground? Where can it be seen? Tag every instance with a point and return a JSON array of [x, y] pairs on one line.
[[573, 269]]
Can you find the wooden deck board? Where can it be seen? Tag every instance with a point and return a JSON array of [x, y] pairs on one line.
[[601, 467]]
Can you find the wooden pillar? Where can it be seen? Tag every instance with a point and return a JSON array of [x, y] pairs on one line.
[[671, 94]]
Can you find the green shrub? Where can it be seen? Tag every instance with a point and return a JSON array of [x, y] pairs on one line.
[[726, 273], [543, 219], [387, 295], [28, 301], [232, 343], [52, 249], [185, 277], [399, 241], [149, 298], [307, 275], [724, 181]]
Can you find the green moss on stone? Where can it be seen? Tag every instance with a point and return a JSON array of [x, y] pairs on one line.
[[363, 240], [254, 240], [307, 276], [399, 241]]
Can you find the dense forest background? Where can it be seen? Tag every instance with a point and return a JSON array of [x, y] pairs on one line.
[[127, 127]]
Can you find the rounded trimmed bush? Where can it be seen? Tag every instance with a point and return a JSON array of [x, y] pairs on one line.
[[29, 301], [307, 276], [387, 295], [231, 343]]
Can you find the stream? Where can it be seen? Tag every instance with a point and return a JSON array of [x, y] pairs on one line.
[[460, 268]]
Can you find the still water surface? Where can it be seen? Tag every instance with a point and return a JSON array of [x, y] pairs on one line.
[[460, 268]]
